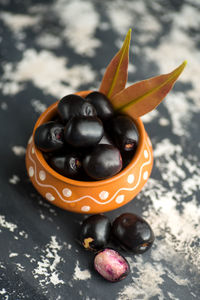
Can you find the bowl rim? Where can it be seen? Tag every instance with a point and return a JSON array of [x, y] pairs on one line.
[[44, 118]]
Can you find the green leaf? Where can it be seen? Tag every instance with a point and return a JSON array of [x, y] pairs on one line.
[[116, 74], [142, 97]]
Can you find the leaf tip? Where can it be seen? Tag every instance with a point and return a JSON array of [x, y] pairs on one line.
[[128, 35], [184, 63]]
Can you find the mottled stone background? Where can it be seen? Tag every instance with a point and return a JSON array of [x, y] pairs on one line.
[[51, 48]]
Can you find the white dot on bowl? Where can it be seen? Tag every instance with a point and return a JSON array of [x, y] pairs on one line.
[[130, 178], [67, 192], [31, 171], [33, 150], [146, 154], [42, 175], [119, 199], [85, 208], [149, 141], [145, 175], [30, 140], [49, 197], [103, 195]]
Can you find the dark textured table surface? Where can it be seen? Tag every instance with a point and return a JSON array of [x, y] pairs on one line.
[[51, 48]]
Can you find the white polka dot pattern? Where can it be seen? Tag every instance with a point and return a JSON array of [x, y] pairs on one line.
[[103, 195], [130, 178], [119, 199], [85, 208], [145, 175], [42, 175], [67, 192], [31, 171], [49, 197]]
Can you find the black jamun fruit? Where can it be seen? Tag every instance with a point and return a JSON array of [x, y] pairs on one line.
[[133, 233], [74, 105], [124, 133], [102, 105], [95, 232], [111, 265], [83, 131], [67, 165], [49, 136], [103, 162]]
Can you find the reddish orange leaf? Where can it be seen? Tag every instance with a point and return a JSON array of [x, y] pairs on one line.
[[116, 74], [142, 97]]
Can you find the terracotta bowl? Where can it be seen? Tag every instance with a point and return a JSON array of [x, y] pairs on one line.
[[95, 196]]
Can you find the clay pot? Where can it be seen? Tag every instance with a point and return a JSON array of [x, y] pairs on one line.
[[95, 196]]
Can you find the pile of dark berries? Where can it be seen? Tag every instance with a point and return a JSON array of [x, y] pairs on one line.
[[87, 140], [131, 232]]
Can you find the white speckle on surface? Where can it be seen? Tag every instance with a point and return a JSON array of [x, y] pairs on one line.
[[179, 229], [4, 106], [50, 41], [119, 199], [23, 233], [103, 195], [19, 150], [42, 175], [146, 285], [181, 112], [85, 208], [150, 116], [39, 67], [166, 148], [17, 22], [67, 192], [81, 274], [31, 171], [10, 226], [46, 271], [49, 197], [14, 179], [20, 267], [79, 34], [3, 291], [131, 178], [13, 254], [69, 246], [169, 161], [163, 122], [177, 39], [146, 154], [38, 106], [145, 175]]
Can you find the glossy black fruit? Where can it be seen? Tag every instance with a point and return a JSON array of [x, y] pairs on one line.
[[67, 165], [106, 140], [127, 157], [111, 265], [133, 233], [83, 131], [49, 136], [95, 232], [74, 105], [102, 105], [103, 162], [124, 133]]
